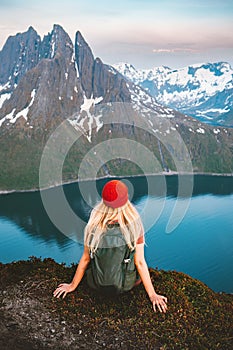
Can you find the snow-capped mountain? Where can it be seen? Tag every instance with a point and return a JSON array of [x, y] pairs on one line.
[[204, 91], [45, 81]]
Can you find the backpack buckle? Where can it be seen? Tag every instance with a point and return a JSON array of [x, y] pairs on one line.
[[126, 261]]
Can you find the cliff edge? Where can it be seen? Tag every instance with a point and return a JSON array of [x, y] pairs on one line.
[[31, 318]]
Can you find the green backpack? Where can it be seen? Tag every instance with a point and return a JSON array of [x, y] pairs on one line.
[[112, 269]]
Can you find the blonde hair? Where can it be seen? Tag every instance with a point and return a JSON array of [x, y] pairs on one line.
[[127, 217]]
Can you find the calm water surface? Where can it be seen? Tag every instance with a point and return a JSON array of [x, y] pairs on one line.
[[201, 245]]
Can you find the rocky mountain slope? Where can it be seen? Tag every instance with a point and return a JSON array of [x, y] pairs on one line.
[[204, 91], [44, 82], [41, 80]]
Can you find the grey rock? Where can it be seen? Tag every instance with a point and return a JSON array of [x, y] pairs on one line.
[[19, 54], [85, 62], [54, 82], [98, 79]]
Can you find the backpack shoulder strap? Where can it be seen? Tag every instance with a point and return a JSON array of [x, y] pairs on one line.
[[113, 262]]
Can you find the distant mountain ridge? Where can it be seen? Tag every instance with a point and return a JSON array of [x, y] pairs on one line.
[[45, 81], [203, 91]]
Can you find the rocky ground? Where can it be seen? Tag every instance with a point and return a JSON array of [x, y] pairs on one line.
[[30, 318]]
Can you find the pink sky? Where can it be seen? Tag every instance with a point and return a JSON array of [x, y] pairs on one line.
[[145, 33]]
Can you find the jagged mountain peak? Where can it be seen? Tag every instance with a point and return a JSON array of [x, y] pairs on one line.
[[80, 38], [82, 44], [85, 63], [56, 42], [58, 28], [31, 29], [59, 34], [55, 87], [54, 80], [19, 54], [214, 67], [82, 49], [138, 75], [128, 71], [64, 75], [47, 91], [125, 65], [203, 90], [23, 34]]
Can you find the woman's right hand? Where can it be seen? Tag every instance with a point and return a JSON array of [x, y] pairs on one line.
[[63, 289], [159, 301]]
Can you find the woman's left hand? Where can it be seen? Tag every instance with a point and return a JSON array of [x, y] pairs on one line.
[[63, 288], [160, 301]]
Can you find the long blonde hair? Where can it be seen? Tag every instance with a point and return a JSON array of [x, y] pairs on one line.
[[127, 217]]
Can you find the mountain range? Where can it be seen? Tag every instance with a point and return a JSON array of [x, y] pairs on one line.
[[45, 81], [51, 78], [203, 91]]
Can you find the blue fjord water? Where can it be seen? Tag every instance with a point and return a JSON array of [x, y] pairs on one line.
[[201, 245]]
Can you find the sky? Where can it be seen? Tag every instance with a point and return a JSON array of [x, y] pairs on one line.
[[145, 33]]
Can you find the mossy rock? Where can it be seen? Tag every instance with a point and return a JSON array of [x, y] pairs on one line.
[[197, 317]]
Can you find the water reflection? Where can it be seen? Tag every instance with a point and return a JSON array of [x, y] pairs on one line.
[[217, 185], [27, 212], [200, 246]]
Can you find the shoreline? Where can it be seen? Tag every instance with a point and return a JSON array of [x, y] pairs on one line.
[[170, 173]]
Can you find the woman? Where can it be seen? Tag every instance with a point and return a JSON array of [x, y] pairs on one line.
[[115, 208]]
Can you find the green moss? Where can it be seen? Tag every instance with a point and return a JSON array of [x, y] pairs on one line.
[[197, 318]]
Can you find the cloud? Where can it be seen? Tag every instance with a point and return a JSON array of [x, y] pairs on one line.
[[175, 50]]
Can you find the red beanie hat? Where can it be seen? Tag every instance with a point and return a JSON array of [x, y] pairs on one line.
[[115, 194]]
